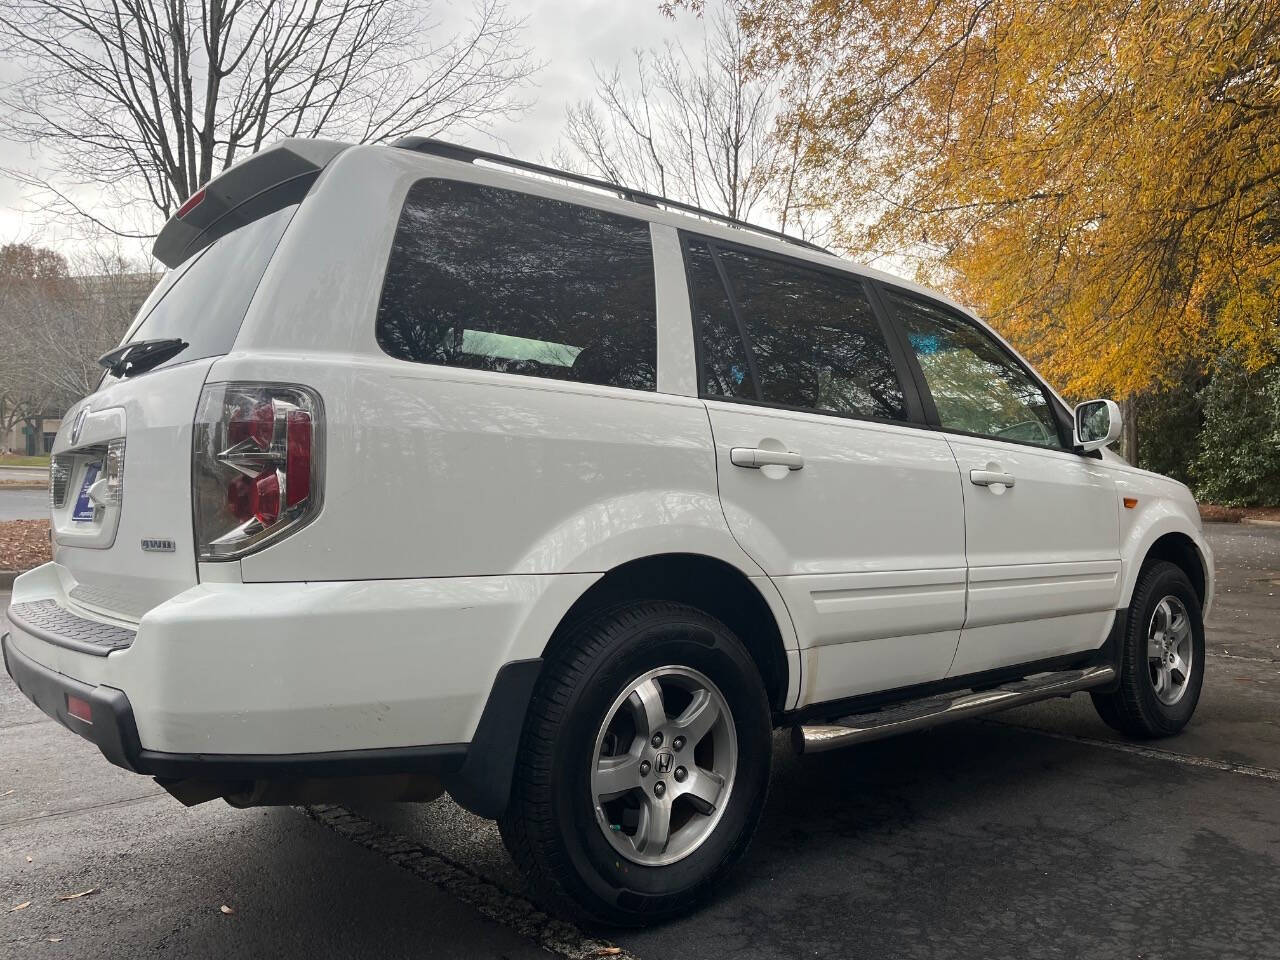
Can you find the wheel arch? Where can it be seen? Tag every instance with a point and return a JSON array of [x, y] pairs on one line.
[[749, 606], [741, 603], [1180, 550]]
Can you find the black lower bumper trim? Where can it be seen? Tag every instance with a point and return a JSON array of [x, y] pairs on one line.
[[112, 729], [115, 733], [435, 759]]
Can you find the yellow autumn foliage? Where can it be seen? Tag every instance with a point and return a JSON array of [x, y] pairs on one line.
[[1100, 178]]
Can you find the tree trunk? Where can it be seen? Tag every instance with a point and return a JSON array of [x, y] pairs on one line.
[[1130, 438]]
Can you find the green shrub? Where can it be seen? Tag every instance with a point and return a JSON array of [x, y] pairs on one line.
[[1238, 458], [1169, 424]]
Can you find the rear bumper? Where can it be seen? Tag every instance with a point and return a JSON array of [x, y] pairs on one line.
[[275, 680], [114, 732]]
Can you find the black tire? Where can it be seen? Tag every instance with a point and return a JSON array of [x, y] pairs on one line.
[[1133, 708], [550, 826]]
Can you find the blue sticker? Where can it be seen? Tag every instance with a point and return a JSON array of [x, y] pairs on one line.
[[926, 344], [84, 508], [738, 374]]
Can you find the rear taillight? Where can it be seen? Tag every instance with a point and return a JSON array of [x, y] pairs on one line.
[[256, 471], [59, 478]]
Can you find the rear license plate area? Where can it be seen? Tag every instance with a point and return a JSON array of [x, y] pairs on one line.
[[85, 510]]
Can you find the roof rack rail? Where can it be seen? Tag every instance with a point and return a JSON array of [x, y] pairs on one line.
[[453, 151]]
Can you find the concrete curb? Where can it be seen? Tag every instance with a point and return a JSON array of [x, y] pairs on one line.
[[8, 576], [1260, 523]]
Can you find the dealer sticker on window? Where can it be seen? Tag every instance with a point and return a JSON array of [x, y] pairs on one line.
[[84, 508]]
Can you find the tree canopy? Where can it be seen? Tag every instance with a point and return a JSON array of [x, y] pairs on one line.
[[1100, 177]]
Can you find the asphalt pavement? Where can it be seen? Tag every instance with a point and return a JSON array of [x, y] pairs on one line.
[[24, 504], [1034, 833]]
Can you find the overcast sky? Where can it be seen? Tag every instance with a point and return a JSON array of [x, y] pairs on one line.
[[567, 35]]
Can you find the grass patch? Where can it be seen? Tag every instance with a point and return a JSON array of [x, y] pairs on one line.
[[8, 461]]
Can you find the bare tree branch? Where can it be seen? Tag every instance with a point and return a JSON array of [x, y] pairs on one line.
[[698, 127], [143, 101]]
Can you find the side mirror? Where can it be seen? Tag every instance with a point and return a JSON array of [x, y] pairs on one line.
[[1098, 423]]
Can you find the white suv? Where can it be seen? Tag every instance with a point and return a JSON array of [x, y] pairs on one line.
[[423, 468]]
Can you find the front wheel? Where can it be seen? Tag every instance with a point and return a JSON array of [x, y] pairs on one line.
[[643, 765], [1162, 658]]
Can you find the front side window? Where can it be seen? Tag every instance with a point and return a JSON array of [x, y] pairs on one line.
[[492, 279], [790, 335], [977, 386]]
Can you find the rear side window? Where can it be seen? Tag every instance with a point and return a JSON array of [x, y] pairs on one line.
[[491, 279], [204, 299], [790, 335]]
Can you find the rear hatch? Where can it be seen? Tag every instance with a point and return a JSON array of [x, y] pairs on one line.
[[120, 481]]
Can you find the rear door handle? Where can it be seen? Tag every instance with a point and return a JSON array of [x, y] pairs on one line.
[[757, 457], [986, 478]]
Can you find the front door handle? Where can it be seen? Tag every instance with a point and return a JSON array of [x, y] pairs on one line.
[[987, 478], [757, 457]]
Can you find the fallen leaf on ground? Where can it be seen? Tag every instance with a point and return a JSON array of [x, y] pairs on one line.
[[7, 792], [608, 951], [55, 939], [77, 896], [227, 910], [21, 906], [24, 544]]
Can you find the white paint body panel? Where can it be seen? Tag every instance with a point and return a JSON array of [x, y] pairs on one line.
[[1043, 555], [154, 414], [866, 542], [313, 667], [465, 512]]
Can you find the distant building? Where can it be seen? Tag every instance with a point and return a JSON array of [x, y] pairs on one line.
[[29, 439]]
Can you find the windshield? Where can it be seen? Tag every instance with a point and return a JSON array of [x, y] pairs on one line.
[[204, 300]]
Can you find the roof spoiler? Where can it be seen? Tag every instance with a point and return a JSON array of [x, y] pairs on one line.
[[260, 184]]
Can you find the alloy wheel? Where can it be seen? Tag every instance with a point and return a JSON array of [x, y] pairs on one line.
[[663, 765], [1170, 650]]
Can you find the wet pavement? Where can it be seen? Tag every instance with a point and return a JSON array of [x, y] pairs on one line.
[[1034, 833], [24, 504]]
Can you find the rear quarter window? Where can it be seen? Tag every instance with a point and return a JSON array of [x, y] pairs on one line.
[[492, 279]]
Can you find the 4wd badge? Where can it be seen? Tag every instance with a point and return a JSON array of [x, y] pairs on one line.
[[158, 546]]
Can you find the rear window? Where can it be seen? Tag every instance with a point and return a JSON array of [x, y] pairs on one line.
[[203, 300], [492, 279]]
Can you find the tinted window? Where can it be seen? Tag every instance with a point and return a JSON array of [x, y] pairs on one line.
[[725, 370], [203, 300], [976, 385], [815, 341], [491, 279]]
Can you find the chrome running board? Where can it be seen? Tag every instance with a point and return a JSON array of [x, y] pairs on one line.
[[932, 711]]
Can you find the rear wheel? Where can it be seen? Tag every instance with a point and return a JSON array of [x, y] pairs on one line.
[[643, 765], [1162, 658]]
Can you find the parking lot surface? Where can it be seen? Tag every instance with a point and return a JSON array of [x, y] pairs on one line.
[[23, 504], [1033, 833]]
